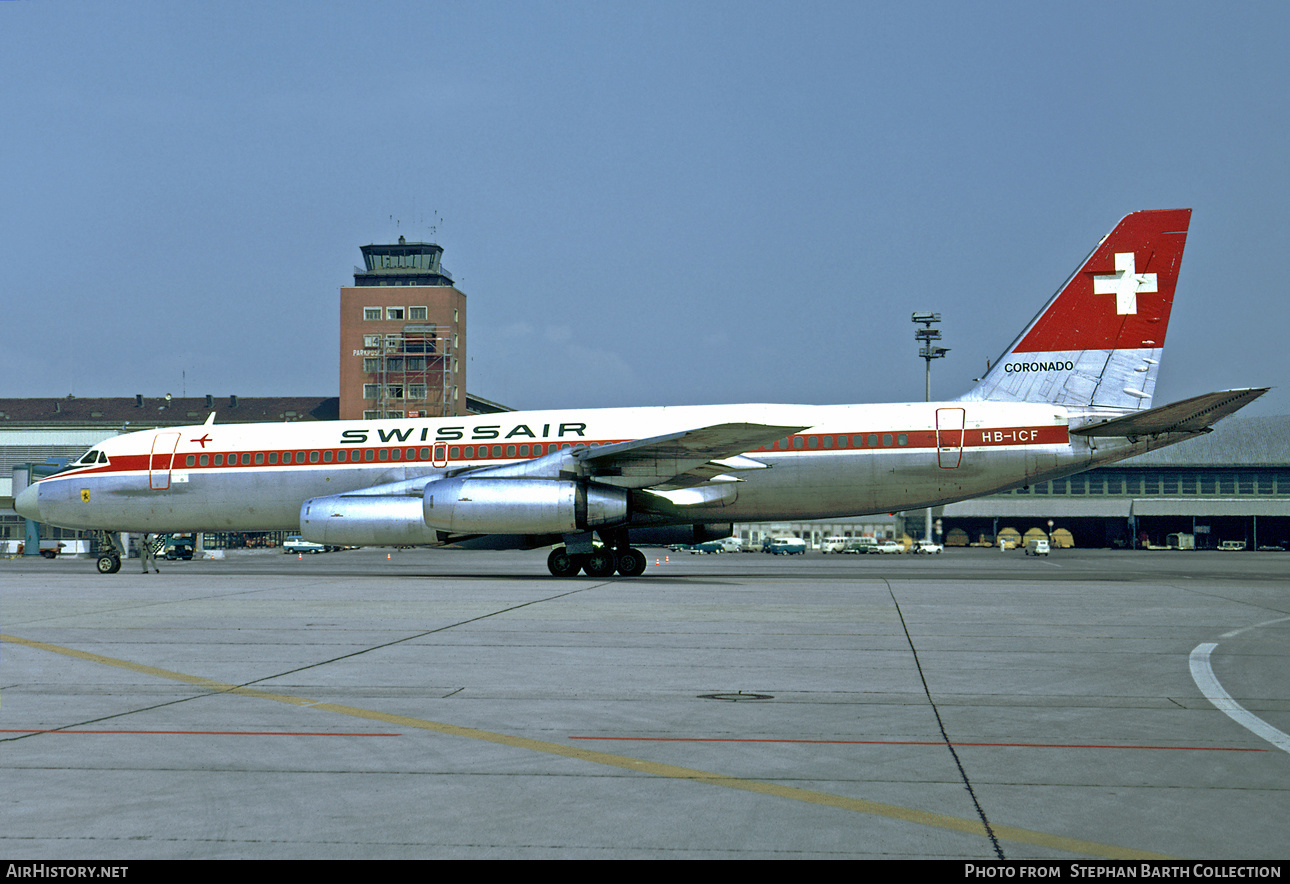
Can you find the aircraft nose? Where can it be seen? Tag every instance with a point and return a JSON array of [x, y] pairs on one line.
[[27, 503]]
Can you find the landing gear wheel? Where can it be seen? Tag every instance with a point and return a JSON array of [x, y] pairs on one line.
[[631, 563], [561, 564], [109, 564], [601, 563]]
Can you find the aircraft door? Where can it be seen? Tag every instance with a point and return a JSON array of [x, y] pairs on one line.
[[439, 455], [161, 460], [950, 423]]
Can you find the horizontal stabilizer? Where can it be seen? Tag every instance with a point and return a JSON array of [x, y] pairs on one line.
[[1195, 415]]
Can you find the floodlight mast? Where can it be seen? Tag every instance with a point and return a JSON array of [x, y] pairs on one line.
[[928, 352]]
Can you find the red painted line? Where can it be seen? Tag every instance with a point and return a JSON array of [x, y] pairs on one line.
[[920, 743], [205, 733]]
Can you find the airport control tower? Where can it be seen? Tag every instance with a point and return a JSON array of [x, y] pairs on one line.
[[402, 336]]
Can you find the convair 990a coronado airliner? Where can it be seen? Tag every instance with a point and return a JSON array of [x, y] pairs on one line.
[[1073, 391]]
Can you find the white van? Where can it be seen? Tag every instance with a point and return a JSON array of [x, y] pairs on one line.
[[833, 544], [787, 546], [1036, 547]]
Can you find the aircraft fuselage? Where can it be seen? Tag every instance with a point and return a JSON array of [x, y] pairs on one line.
[[850, 460]]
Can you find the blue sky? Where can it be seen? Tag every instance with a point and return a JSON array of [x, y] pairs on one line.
[[646, 203]]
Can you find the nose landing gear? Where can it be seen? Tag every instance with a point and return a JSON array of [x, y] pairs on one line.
[[109, 560]]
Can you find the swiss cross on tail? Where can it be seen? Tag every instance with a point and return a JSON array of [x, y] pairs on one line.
[[1138, 265], [1125, 283]]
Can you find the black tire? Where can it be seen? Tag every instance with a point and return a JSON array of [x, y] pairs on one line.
[[631, 563], [561, 564], [601, 563], [108, 564]]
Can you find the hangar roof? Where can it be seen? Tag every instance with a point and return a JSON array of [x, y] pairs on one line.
[[1237, 441], [157, 411], [140, 412]]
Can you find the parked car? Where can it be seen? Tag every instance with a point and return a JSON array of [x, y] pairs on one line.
[[1229, 545], [297, 544], [927, 546], [861, 545], [708, 546], [889, 546]]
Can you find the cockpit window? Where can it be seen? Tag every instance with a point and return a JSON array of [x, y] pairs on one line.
[[89, 458]]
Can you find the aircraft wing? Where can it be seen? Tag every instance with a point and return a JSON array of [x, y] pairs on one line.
[[680, 460], [667, 462], [1194, 415]]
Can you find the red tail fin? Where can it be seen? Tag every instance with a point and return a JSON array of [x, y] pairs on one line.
[[1098, 340]]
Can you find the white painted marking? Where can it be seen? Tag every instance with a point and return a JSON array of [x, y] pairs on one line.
[[1235, 632], [1203, 674], [1125, 283]]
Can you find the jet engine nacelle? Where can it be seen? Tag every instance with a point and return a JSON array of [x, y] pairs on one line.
[[521, 505], [365, 520]]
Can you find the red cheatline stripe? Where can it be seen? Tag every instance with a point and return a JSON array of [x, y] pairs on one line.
[[810, 443], [205, 733], [921, 743]]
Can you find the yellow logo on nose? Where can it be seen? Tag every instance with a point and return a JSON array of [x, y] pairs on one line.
[[85, 495]]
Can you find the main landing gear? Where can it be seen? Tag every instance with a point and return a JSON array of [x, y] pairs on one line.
[[600, 562]]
